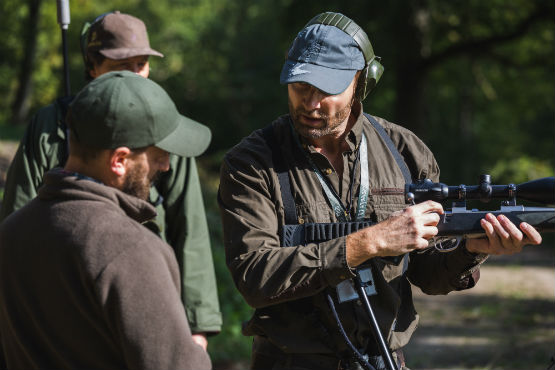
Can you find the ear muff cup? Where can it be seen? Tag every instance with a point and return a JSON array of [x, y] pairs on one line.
[[373, 70]]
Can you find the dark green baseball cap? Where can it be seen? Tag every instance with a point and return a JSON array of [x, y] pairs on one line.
[[122, 108]]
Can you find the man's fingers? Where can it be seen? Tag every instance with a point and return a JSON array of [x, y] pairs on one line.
[[511, 228], [429, 232], [532, 234], [500, 229], [490, 234], [488, 227], [430, 219], [504, 237], [428, 207]]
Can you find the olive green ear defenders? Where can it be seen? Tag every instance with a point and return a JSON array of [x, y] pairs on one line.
[[373, 70]]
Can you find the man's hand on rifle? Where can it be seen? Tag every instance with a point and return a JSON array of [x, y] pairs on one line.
[[404, 231], [503, 237]]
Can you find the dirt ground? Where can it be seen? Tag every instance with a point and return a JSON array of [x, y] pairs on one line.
[[506, 322]]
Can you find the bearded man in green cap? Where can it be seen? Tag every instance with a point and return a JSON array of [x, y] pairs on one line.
[[113, 42], [83, 283]]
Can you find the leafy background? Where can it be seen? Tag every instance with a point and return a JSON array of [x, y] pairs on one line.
[[474, 79]]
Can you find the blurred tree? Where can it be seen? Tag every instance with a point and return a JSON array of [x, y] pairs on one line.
[[20, 106]]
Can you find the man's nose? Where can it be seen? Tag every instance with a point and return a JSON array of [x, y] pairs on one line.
[[165, 163], [313, 98]]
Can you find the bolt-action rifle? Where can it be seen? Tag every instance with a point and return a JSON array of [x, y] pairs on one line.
[[459, 222], [454, 225]]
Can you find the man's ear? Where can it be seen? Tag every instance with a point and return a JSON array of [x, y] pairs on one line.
[[119, 158], [93, 72]]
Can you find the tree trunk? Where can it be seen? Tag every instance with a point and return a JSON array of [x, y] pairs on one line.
[[411, 77], [20, 105]]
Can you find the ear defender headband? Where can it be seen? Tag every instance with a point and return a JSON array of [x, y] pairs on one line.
[[84, 37], [373, 70]]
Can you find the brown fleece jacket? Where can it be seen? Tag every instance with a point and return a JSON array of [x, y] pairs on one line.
[[83, 285]]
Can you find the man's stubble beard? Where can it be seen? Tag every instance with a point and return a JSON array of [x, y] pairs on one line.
[[329, 124], [136, 182]]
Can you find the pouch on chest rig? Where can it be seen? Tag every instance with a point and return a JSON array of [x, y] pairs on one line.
[[302, 234]]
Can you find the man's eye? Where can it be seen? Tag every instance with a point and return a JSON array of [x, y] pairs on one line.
[[301, 86]]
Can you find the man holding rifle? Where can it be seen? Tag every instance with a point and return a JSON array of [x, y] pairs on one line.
[[330, 166], [114, 42]]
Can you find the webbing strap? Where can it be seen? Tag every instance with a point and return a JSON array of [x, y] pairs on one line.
[[282, 172], [398, 158]]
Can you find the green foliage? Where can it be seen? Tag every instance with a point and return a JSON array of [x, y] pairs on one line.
[[10, 49], [493, 104], [9, 132], [473, 79], [518, 170]]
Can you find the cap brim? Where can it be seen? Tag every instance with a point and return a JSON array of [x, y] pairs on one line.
[[122, 53], [189, 139], [329, 80]]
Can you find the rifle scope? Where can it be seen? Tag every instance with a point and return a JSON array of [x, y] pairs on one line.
[[540, 190]]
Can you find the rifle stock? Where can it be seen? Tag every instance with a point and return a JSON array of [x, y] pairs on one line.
[[467, 222]]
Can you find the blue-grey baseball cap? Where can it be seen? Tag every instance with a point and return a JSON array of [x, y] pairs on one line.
[[323, 56]]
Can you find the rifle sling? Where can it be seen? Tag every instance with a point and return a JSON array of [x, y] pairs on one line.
[[387, 140]]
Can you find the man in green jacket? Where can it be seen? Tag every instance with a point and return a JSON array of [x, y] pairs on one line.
[[330, 168], [118, 41]]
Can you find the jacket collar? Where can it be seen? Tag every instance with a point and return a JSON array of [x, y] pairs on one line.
[[60, 184]]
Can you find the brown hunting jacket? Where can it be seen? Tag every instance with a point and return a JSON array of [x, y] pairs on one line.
[[84, 285], [286, 285]]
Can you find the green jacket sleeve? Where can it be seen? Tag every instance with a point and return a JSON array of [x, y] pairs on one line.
[[182, 218], [41, 149]]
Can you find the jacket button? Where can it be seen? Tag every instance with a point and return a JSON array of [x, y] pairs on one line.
[[301, 220], [328, 171]]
